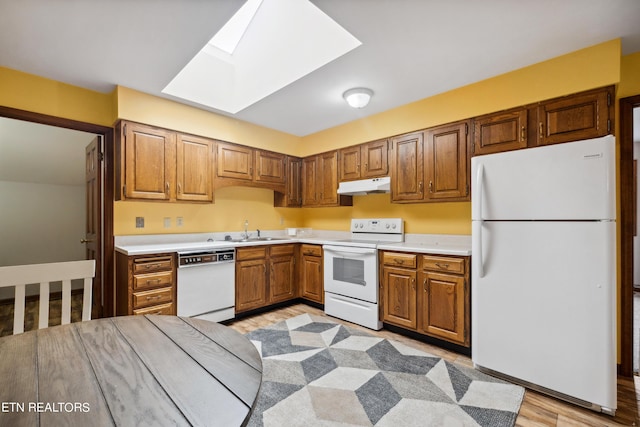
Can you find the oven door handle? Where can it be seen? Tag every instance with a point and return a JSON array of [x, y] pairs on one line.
[[349, 250]]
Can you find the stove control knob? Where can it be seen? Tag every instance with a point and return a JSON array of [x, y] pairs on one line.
[[388, 226], [393, 226]]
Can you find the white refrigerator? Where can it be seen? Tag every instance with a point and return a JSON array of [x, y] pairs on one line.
[[543, 295]]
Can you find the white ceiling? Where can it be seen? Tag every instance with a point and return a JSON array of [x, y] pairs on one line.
[[411, 49]]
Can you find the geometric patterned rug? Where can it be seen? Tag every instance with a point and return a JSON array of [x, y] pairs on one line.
[[320, 373]]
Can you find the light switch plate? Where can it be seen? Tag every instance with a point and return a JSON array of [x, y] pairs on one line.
[[179, 221], [139, 222], [167, 222]]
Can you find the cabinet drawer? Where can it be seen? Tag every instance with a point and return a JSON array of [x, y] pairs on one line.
[[141, 265], [451, 265], [156, 309], [313, 250], [277, 250], [153, 297], [399, 259], [251, 253], [152, 280]]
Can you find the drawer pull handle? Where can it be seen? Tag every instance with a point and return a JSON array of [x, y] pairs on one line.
[[148, 266], [440, 265], [149, 282], [398, 261], [424, 284], [154, 297]]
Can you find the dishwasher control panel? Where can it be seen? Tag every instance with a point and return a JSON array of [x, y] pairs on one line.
[[206, 257]]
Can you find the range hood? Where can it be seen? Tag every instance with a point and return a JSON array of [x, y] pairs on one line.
[[365, 186]]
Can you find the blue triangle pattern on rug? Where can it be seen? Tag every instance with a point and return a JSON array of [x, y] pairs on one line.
[[360, 379]]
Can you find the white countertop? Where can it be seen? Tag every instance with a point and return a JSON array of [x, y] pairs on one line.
[[439, 244]]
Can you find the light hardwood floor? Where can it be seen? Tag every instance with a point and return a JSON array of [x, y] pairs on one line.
[[536, 410]]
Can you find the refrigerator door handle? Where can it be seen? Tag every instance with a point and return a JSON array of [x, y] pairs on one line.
[[479, 182]]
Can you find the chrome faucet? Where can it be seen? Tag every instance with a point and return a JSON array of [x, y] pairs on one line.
[[246, 226]]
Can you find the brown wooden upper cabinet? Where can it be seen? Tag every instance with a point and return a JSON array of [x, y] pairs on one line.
[[431, 165], [363, 161], [406, 168], [159, 164], [240, 165], [502, 131], [320, 181], [292, 196], [235, 161], [575, 117], [194, 181]]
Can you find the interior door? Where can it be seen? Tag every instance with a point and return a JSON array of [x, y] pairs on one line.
[[93, 235]]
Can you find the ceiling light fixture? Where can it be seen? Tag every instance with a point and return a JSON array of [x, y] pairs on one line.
[[358, 97]]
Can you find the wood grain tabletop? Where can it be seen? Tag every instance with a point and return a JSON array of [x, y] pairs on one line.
[[129, 371]]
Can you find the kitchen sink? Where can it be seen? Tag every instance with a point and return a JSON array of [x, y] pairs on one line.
[[258, 239]]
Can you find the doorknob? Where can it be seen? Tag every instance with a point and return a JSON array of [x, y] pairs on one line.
[[86, 240]]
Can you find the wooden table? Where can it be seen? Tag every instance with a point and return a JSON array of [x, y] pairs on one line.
[[129, 371]]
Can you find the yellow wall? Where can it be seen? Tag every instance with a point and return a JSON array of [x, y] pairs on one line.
[[233, 205], [37, 94], [629, 76]]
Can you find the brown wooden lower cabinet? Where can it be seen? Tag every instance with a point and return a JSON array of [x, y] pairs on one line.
[[311, 273], [145, 284], [264, 275], [427, 294]]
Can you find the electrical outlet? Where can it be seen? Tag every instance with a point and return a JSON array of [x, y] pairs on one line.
[[139, 222], [179, 221], [167, 222]]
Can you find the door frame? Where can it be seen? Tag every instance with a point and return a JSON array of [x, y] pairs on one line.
[[108, 308], [626, 106]]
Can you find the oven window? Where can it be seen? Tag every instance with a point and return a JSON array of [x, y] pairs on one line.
[[349, 270]]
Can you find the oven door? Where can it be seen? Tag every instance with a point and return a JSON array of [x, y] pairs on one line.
[[351, 271]]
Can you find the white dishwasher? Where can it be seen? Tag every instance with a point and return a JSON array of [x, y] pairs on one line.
[[206, 284]]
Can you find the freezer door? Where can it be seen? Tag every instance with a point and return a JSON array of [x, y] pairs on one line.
[[544, 309], [568, 181]]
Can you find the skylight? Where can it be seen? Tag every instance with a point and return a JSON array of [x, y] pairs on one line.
[[229, 36], [265, 46]]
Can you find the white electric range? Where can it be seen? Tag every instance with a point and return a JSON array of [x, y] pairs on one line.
[[351, 270]]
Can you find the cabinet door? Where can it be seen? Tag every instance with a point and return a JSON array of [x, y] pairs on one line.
[[503, 131], [399, 296], [445, 162], [251, 284], [294, 181], [575, 117], [309, 181], [235, 161], [311, 278], [407, 168], [194, 180], [281, 278], [375, 159], [442, 308], [270, 167], [328, 176], [349, 163], [149, 169]]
